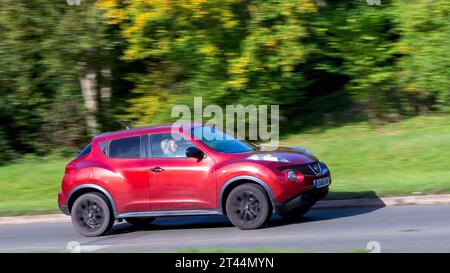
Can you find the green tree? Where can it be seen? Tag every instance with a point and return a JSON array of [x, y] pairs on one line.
[[55, 74], [362, 37], [228, 51], [424, 69]]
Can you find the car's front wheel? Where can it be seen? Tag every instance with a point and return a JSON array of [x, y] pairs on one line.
[[248, 206], [91, 215]]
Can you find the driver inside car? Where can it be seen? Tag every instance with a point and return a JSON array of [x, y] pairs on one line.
[[169, 147]]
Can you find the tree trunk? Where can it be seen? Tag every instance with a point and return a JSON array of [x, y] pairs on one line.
[[88, 84], [105, 91], [371, 111]]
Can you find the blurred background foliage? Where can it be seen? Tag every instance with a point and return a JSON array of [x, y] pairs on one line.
[[68, 72]]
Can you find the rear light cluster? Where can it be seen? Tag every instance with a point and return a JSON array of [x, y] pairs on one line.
[[69, 168]]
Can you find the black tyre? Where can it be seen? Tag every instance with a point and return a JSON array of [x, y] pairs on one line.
[[295, 214], [140, 221], [91, 215], [248, 206]]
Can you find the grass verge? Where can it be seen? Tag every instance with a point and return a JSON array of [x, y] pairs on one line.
[[395, 159]]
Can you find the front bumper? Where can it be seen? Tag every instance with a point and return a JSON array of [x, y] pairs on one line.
[[308, 198]]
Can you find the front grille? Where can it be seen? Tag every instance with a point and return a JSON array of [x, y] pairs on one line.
[[307, 169]]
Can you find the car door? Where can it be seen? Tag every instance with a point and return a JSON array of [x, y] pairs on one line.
[[176, 181], [127, 158]]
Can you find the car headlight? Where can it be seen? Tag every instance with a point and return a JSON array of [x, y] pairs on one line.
[[303, 150], [291, 175], [268, 157]]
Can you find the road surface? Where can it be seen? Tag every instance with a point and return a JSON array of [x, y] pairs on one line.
[[409, 228]]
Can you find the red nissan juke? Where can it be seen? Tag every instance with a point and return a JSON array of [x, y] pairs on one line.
[[138, 175]]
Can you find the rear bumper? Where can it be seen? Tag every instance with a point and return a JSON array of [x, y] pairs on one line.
[[308, 198], [64, 209], [62, 203]]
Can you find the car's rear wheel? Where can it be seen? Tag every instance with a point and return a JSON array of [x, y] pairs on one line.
[[91, 215], [295, 214], [248, 206], [140, 221]]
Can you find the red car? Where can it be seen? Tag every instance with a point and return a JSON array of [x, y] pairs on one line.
[[139, 174]]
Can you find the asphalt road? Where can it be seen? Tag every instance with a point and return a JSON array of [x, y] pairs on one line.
[[409, 228]]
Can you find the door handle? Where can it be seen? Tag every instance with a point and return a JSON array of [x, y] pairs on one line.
[[156, 169]]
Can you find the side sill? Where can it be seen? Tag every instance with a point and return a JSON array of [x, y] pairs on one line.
[[168, 213]]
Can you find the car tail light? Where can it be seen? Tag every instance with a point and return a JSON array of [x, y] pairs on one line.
[[69, 168]]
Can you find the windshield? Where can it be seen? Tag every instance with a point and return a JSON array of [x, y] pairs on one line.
[[221, 142]]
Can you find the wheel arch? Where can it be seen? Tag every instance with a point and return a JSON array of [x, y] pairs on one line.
[[239, 180], [87, 188]]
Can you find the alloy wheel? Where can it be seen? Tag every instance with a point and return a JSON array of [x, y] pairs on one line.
[[247, 206]]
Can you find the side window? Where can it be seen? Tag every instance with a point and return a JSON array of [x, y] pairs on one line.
[[85, 151], [104, 146], [129, 147], [164, 145]]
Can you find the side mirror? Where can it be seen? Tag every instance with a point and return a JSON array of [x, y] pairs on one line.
[[195, 153]]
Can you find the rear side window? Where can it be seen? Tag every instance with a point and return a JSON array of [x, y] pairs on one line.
[[129, 147], [85, 151]]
